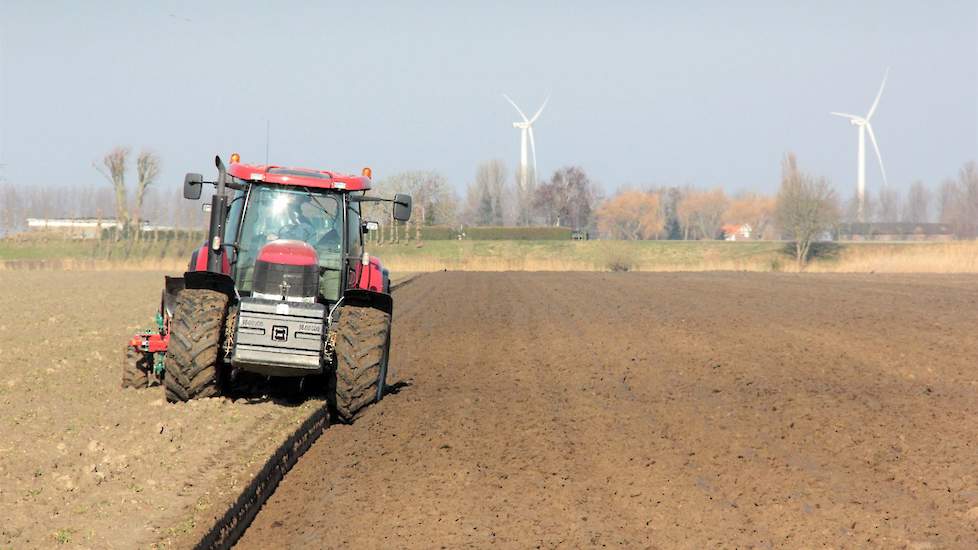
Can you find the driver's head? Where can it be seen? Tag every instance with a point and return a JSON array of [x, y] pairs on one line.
[[295, 214]]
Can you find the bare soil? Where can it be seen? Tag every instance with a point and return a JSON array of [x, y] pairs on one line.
[[84, 463], [653, 410]]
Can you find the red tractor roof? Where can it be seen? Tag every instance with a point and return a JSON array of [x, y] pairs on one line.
[[304, 177]]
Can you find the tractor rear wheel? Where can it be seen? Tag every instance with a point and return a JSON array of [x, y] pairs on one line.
[[136, 366], [192, 361], [361, 352]]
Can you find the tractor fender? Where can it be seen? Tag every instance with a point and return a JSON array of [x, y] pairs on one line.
[[171, 287], [369, 298], [198, 259], [219, 282], [371, 276]]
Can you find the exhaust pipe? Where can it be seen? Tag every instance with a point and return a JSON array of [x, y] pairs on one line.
[[215, 250]]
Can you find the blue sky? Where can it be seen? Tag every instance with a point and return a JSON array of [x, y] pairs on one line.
[[642, 92]]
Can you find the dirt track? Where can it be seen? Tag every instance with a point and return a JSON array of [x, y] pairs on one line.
[[662, 410]]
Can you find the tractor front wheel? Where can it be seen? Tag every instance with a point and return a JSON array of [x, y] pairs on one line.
[[192, 361], [361, 353]]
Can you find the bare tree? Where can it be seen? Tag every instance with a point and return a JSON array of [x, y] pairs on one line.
[[958, 202], [631, 215], [434, 200], [967, 207], [568, 199], [472, 210], [947, 201], [806, 208], [888, 209], [485, 196], [429, 191], [147, 170], [669, 198], [684, 214], [917, 207], [114, 169], [11, 209], [702, 212]]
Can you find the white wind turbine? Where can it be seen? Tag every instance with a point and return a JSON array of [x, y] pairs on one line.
[[526, 174], [864, 126]]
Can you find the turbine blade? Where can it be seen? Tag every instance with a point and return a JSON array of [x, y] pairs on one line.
[[878, 95], [846, 115], [872, 138], [515, 107], [533, 149], [542, 107]]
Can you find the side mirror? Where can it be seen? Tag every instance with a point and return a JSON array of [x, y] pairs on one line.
[[402, 207], [192, 184], [370, 226]]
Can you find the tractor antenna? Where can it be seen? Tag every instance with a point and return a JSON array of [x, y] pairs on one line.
[[268, 132]]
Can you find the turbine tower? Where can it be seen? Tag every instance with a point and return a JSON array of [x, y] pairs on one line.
[[527, 173], [864, 126]]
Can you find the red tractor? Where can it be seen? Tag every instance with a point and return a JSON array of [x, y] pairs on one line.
[[282, 288]]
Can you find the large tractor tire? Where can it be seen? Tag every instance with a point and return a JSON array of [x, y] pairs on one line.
[[136, 366], [192, 362], [361, 354]]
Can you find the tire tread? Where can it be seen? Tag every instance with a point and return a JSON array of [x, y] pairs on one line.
[[360, 349], [192, 359]]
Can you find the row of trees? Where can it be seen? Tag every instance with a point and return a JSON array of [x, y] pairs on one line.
[[691, 213], [160, 205], [683, 213], [128, 204], [949, 203], [569, 198]]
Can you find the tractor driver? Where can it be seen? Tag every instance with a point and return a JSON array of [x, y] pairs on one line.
[[296, 227], [309, 222], [330, 241]]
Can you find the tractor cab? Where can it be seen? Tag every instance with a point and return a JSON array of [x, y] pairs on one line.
[[273, 204], [264, 215]]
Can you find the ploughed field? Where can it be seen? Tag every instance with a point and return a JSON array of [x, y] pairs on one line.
[[656, 410], [85, 463]]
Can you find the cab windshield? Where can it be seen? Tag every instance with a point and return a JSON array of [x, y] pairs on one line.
[[279, 212]]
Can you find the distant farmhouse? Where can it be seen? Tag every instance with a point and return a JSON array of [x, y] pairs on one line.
[[82, 228], [895, 232], [735, 232]]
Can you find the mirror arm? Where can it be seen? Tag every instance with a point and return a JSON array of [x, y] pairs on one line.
[[364, 198], [228, 184]]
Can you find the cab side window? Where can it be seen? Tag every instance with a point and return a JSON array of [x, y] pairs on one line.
[[353, 230], [236, 204]]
